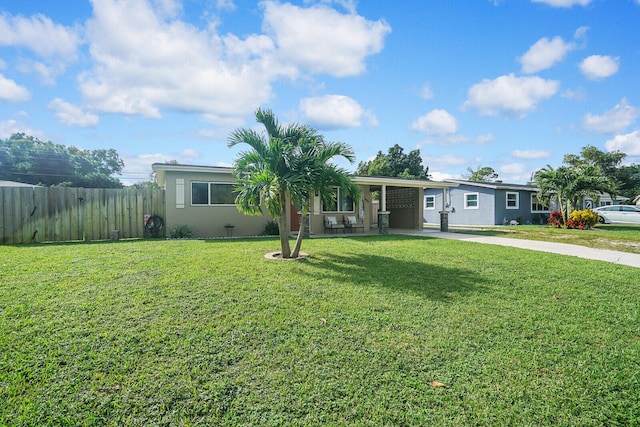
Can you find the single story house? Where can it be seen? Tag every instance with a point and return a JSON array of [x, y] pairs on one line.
[[15, 184], [485, 203], [495, 203], [201, 197]]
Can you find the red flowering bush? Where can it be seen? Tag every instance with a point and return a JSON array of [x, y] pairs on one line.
[[583, 219], [555, 219]]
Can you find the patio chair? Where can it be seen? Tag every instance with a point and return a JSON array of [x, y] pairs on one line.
[[351, 223], [331, 224]]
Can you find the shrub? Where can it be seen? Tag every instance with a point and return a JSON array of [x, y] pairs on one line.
[[181, 231], [583, 219], [555, 219], [271, 229]]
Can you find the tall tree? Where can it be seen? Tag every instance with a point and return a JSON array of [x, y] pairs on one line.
[[311, 162], [566, 185], [482, 174], [592, 156], [285, 165], [27, 159], [395, 164]]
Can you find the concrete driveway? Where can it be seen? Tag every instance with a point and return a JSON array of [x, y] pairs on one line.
[[624, 258]]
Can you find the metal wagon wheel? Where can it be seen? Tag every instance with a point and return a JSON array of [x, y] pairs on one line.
[[153, 226]]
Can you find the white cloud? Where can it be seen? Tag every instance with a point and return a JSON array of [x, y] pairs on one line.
[[445, 160], [189, 153], [485, 139], [563, 3], [146, 62], [544, 54], [12, 126], [72, 115], [513, 168], [613, 121], [509, 95], [322, 40], [531, 154], [41, 35], [11, 91], [628, 144], [332, 111], [578, 94], [436, 122], [426, 92], [167, 8], [225, 5], [596, 67], [441, 176], [348, 5]]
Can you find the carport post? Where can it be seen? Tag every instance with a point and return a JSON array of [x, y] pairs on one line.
[[383, 215], [444, 214]]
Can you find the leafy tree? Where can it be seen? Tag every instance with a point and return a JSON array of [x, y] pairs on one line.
[[287, 164], [311, 162], [395, 164], [482, 174], [566, 185], [608, 163], [628, 178], [27, 159]]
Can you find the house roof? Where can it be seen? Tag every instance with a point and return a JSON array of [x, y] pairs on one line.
[[496, 185], [162, 168], [15, 184]]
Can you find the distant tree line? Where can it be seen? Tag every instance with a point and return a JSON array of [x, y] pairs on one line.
[[28, 160], [395, 164]]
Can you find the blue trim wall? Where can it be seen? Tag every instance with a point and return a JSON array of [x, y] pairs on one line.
[[492, 206]]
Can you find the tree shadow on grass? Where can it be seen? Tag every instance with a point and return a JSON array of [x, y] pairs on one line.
[[420, 277]]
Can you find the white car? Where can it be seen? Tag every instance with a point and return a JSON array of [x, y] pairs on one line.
[[618, 214]]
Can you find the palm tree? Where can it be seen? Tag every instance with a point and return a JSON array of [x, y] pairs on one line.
[[311, 163], [566, 185], [286, 165]]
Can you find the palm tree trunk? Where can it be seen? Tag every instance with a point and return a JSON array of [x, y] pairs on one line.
[[296, 248], [285, 248]]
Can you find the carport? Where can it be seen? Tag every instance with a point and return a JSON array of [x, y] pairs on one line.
[[401, 201]]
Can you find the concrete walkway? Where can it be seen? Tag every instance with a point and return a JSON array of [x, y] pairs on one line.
[[624, 258]]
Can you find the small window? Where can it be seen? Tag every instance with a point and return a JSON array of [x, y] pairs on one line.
[[536, 206], [341, 203], [513, 200], [471, 201], [430, 202], [211, 193]]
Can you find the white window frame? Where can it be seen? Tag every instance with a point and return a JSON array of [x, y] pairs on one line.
[[433, 199], [338, 204], [466, 200], [534, 200], [209, 184], [517, 200]]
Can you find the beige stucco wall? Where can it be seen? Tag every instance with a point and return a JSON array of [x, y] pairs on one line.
[[207, 221], [210, 221]]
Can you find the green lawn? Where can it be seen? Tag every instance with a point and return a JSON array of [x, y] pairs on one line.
[[186, 333], [617, 237]]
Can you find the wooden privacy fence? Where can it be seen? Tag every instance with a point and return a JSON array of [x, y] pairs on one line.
[[53, 214]]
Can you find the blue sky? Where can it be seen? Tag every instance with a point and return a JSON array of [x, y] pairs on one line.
[[510, 84]]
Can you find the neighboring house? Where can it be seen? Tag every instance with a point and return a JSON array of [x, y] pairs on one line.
[[15, 184], [603, 200], [485, 203], [201, 197]]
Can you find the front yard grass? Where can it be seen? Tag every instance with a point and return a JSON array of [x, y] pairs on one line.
[[371, 331], [617, 237]]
